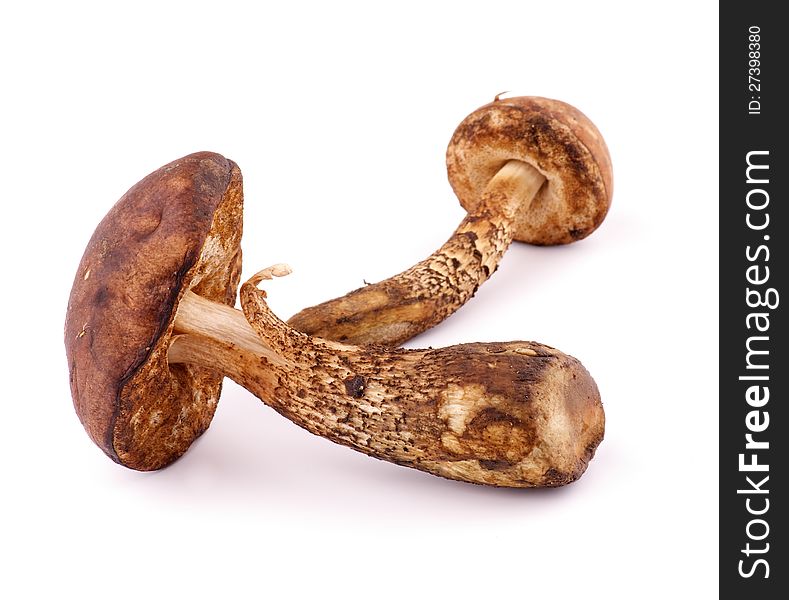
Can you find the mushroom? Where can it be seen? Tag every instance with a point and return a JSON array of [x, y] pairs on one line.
[[150, 333], [531, 169]]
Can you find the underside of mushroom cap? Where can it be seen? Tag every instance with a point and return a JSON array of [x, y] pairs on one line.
[[553, 137], [177, 229]]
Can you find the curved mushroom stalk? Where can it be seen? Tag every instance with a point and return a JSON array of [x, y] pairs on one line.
[[394, 310], [515, 414], [529, 169]]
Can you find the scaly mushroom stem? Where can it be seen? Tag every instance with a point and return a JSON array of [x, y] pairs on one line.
[[396, 309], [515, 414]]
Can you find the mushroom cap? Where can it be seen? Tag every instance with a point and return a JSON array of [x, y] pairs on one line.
[[553, 137], [177, 229]]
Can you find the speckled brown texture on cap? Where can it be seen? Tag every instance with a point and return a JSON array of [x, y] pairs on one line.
[[553, 137], [177, 229]]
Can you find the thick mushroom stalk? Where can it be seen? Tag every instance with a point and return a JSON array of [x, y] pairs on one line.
[[515, 414], [528, 169]]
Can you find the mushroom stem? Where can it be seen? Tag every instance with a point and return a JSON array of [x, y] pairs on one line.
[[199, 319], [396, 309], [515, 414]]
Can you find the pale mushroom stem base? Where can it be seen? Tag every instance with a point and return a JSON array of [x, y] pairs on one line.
[[515, 414], [396, 309]]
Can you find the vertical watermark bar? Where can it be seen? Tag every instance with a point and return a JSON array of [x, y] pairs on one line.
[[754, 268]]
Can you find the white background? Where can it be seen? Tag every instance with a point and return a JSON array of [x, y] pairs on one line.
[[339, 114]]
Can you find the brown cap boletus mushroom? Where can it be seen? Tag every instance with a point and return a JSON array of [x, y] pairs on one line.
[[178, 229], [531, 169], [151, 331]]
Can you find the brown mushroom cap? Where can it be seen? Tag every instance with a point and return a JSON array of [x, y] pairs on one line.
[[553, 137], [177, 229]]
